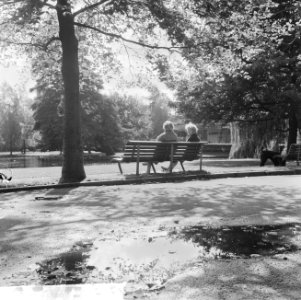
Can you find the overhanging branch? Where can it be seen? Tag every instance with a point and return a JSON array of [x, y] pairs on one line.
[[89, 7], [54, 38], [120, 37], [49, 5], [10, 2]]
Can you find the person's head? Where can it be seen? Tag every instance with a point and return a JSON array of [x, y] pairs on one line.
[[191, 128], [168, 126]]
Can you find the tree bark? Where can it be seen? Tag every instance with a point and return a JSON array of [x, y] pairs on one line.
[[248, 139], [293, 126], [73, 163], [242, 140]]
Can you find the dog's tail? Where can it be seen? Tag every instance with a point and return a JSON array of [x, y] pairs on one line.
[[9, 178]]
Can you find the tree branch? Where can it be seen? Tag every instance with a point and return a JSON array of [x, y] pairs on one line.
[[18, 1], [10, 2], [22, 43], [118, 36], [90, 7], [54, 38], [49, 5], [41, 46]]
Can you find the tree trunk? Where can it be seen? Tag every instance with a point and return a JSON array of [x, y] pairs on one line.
[[242, 140], [247, 139], [73, 163], [293, 126]]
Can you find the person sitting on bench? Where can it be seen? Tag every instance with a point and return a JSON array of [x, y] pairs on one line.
[[192, 133], [168, 135]]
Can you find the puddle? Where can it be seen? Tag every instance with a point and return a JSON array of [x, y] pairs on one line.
[[153, 260], [67, 268], [243, 241], [150, 261], [160, 251], [147, 263]]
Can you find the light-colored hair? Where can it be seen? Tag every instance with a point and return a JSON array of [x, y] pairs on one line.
[[168, 126], [190, 127]]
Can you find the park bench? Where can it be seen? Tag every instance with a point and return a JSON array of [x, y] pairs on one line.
[[294, 153], [152, 152]]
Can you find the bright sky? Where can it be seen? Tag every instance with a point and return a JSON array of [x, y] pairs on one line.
[[132, 58], [135, 65], [15, 71], [9, 75], [19, 79]]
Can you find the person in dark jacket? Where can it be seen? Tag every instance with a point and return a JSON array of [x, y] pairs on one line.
[[168, 136], [192, 133]]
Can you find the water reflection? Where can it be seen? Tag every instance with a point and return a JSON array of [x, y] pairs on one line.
[[68, 268], [243, 241], [36, 161], [113, 260], [161, 251]]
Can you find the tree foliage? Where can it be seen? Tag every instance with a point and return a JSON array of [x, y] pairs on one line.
[[100, 122], [134, 117], [10, 119], [246, 69], [221, 42]]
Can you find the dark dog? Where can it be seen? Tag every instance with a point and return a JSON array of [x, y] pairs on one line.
[[275, 157]]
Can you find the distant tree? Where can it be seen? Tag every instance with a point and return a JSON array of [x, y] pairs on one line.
[[134, 117], [100, 121], [102, 129], [160, 111], [47, 119], [10, 118]]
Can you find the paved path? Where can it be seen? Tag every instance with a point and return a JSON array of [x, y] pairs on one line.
[[99, 173]]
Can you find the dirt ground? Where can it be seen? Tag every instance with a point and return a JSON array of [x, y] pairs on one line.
[[134, 235]]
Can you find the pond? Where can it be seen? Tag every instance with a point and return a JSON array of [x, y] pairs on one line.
[[43, 160]]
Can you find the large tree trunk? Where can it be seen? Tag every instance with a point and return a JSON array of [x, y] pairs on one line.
[[293, 126], [73, 164], [248, 139], [242, 140]]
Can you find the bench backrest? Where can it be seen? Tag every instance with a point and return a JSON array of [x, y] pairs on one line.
[[161, 151], [294, 152]]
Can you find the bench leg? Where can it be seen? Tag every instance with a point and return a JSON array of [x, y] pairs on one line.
[[182, 166], [153, 167], [148, 169], [120, 169], [201, 163]]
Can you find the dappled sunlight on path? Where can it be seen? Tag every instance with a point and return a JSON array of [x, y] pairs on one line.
[[42, 223], [264, 197]]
